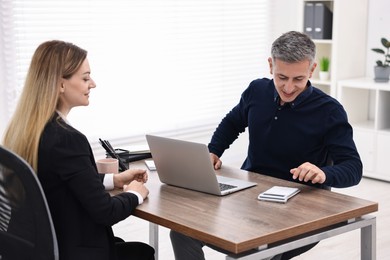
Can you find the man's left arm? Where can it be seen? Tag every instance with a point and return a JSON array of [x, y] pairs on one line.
[[347, 167]]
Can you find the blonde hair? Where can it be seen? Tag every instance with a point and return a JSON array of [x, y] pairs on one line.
[[52, 61]]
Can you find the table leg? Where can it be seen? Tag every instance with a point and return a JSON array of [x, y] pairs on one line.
[[368, 241], [153, 238]]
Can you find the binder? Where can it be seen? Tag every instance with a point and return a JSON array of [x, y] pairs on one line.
[[127, 156], [322, 22], [308, 20], [135, 157]]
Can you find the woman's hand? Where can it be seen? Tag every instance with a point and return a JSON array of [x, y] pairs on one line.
[[137, 186], [124, 178]]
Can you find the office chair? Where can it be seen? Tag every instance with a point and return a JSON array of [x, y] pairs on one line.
[[26, 227]]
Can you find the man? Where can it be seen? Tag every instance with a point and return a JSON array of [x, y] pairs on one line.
[[296, 132]]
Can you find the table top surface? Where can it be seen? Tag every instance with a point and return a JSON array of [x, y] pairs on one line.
[[239, 221]]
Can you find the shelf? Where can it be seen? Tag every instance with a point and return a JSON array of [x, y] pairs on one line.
[[379, 177], [345, 61], [368, 107], [366, 102], [323, 41], [383, 109], [385, 131], [365, 125], [360, 105], [315, 81], [365, 83]]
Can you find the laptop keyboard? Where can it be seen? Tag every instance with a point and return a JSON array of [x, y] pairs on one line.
[[223, 186]]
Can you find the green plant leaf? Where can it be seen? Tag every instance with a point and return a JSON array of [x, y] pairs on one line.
[[385, 43], [386, 60], [324, 64], [378, 50]]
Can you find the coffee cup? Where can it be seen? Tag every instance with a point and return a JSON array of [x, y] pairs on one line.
[[107, 165]]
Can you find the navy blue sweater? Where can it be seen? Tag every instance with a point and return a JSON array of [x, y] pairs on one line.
[[313, 128]]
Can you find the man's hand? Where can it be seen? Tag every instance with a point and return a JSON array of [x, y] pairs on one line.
[[215, 161], [308, 172]]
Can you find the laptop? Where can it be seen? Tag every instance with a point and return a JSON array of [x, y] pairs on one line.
[[188, 165]]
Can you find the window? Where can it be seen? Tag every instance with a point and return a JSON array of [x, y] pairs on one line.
[[159, 65]]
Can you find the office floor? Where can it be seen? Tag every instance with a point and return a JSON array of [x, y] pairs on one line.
[[346, 246]]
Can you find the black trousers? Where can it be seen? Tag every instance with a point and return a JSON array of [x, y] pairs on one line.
[[133, 250]]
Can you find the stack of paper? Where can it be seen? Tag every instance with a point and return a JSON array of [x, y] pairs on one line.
[[278, 194], [138, 149]]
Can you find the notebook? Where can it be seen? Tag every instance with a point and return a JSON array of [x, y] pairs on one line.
[[188, 165], [278, 194]]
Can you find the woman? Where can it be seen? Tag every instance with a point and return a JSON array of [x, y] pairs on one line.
[[83, 212]]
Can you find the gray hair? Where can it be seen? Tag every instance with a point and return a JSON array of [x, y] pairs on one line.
[[293, 47]]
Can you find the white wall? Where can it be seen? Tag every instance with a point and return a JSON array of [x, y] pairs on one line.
[[378, 27], [285, 15]]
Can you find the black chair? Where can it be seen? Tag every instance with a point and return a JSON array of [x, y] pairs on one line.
[[26, 227]]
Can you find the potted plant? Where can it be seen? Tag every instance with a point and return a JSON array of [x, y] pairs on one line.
[[324, 68], [382, 68]]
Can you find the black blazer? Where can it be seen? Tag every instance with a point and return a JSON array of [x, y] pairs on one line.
[[82, 211]]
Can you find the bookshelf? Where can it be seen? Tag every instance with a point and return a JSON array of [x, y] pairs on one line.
[[346, 49], [366, 102], [368, 107]]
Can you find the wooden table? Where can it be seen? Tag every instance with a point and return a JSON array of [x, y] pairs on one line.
[[239, 222]]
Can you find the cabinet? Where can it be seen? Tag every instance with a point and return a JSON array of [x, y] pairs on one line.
[[346, 49], [367, 104]]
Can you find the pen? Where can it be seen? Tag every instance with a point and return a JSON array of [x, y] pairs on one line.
[[110, 150], [122, 166], [107, 146]]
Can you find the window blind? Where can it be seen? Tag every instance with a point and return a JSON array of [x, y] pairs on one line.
[[159, 65]]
